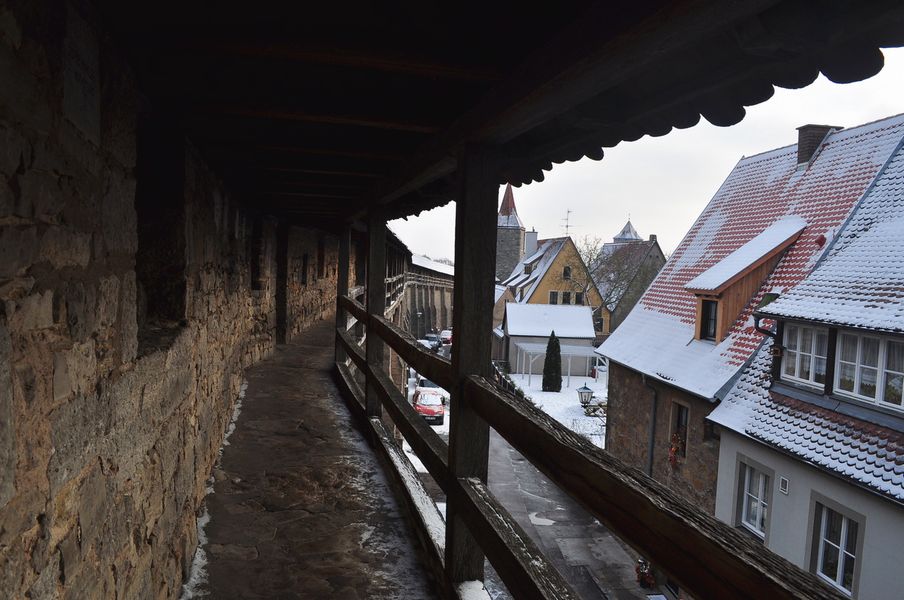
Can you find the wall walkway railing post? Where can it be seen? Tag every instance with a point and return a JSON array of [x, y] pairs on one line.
[[342, 287], [469, 434], [376, 303]]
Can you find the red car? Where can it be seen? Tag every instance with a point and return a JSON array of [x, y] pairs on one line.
[[430, 405]]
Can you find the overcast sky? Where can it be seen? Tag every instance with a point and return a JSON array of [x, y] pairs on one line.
[[663, 183]]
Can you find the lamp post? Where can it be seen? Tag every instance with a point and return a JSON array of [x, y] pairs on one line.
[[419, 334], [585, 395]]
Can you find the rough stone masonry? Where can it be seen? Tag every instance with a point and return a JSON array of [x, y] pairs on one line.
[[133, 292]]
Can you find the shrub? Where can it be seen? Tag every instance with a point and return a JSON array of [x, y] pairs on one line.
[[552, 366]]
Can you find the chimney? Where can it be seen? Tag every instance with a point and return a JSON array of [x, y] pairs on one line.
[[530, 242], [809, 137], [652, 237]]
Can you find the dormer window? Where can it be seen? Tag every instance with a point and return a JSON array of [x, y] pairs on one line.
[[806, 349], [528, 268], [566, 272], [870, 368], [708, 319]]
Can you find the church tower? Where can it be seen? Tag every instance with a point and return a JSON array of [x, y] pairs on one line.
[[509, 236]]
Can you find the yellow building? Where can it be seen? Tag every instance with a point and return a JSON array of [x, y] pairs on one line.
[[555, 273]]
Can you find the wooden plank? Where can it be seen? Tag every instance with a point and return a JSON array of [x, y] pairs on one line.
[[522, 566], [289, 114], [376, 302], [433, 367], [426, 443], [351, 349], [708, 557], [354, 307], [342, 289], [469, 435], [350, 391]]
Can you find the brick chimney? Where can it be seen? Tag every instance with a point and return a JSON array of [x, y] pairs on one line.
[[809, 137], [652, 237]]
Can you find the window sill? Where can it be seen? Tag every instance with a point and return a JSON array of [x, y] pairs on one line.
[[754, 535]]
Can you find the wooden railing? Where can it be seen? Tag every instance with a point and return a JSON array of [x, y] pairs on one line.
[[706, 556]]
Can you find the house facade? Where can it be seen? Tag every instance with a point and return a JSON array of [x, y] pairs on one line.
[[624, 269], [683, 346], [556, 274], [812, 442]]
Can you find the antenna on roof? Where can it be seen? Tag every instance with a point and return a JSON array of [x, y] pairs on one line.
[[567, 226]]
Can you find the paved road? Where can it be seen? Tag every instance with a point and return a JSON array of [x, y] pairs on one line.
[[595, 563], [590, 558]]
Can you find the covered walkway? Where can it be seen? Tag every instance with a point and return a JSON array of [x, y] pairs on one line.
[[301, 508]]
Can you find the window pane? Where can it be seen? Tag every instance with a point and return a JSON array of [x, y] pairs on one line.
[[789, 363], [806, 340], [894, 357], [833, 525], [791, 337], [829, 565], [893, 385], [804, 366], [870, 352], [851, 543], [847, 578], [822, 343], [848, 347], [867, 382], [846, 377], [819, 370]]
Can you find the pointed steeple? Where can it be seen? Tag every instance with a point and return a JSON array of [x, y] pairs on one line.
[[508, 214], [627, 234]]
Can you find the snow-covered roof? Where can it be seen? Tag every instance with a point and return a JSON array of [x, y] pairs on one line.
[[866, 453], [564, 349], [498, 292], [861, 281], [539, 261], [657, 337], [627, 234], [568, 321], [778, 235], [428, 263]]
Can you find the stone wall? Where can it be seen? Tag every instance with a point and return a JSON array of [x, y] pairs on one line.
[[105, 443], [311, 296], [509, 250], [628, 435]]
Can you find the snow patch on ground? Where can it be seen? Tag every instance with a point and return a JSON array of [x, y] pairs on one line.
[[540, 520], [565, 407], [197, 575], [472, 590]]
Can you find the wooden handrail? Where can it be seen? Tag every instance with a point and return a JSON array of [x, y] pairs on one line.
[[426, 443], [354, 351], [428, 364], [710, 558], [522, 566]]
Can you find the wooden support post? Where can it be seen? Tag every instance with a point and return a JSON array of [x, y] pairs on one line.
[[342, 287], [376, 303], [472, 320]]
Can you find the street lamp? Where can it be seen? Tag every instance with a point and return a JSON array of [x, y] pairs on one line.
[[419, 315], [585, 394]]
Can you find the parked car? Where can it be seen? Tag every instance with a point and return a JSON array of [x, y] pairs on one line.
[[446, 336], [445, 351], [430, 404], [434, 339], [424, 385]]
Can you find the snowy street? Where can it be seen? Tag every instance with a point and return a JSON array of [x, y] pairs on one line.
[[591, 559]]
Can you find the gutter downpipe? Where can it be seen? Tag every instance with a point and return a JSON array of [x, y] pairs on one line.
[[652, 442]]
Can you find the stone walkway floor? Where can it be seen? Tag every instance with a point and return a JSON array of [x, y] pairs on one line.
[[301, 508]]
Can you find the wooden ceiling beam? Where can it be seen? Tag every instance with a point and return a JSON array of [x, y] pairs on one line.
[[282, 114], [371, 60]]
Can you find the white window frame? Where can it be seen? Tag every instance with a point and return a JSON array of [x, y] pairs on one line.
[[843, 554], [761, 497], [798, 352], [881, 369]]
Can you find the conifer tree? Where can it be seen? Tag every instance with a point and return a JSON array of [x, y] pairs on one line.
[[552, 366]]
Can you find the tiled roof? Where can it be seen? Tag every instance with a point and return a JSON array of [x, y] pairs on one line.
[[508, 214], [657, 336], [428, 263], [867, 454], [546, 253], [567, 321], [861, 281]]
